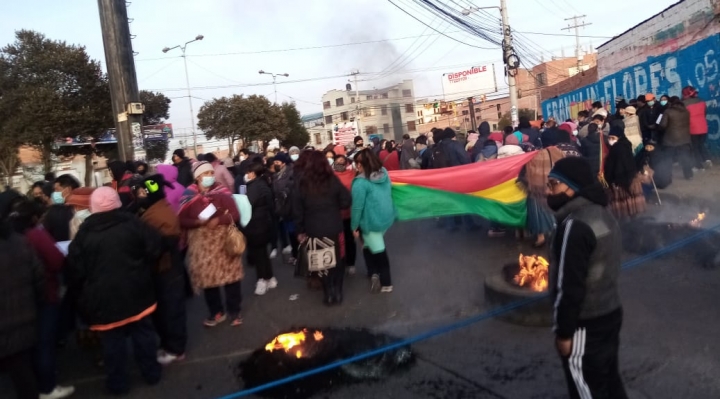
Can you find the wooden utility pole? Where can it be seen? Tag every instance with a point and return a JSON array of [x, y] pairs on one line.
[[575, 26], [121, 73], [473, 122]]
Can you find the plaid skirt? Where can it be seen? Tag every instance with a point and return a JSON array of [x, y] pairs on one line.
[[624, 204]]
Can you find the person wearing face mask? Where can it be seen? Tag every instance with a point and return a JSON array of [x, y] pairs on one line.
[[330, 156], [210, 266], [584, 270], [359, 144], [79, 200], [282, 183], [259, 230], [621, 174], [184, 167], [346, 176], [58, 216], [676, 138], [294, 153], [632, 127]]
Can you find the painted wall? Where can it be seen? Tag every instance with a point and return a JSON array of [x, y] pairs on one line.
[[679, 26], [696, 65]]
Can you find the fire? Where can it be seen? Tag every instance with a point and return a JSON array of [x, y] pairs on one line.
[[533, 273], [697, 222], [291, 340]]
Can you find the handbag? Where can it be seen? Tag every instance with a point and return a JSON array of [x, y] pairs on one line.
[[320, 254], [234, 240]]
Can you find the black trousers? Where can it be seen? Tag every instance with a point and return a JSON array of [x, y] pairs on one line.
[[683, 154], [378, 264], [115, 354], [170, 318], [591, 370], [350, 245], [258, 256], [19, 366], [700, 151], [233, 299]]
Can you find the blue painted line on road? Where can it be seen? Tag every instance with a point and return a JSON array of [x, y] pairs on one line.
[[461, 324]]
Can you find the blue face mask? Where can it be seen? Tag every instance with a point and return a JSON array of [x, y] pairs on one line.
[[663, 102], [207, 181], [57, 198]]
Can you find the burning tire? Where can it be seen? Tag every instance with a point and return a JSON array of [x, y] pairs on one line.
[[500, 290]]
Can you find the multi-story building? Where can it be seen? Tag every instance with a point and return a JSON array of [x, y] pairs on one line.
[[315, 125], [388, 112]]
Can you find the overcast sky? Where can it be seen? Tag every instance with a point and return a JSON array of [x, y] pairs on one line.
[[235, 26]]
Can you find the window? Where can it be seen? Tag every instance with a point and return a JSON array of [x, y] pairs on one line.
[[541, 79], [409, 108], [465, 112], [477, 110], [326, 105], [407, 93], [498, 107], [467, 119], [369, 112], [477, 118], [344, 115], [370, 130], [330, 136], [339, 102], [328, 119], [499, 115], [494, 126], [318, 140], [420, 114], [411, 126], [384, 95], [420, 122], [368, 98], [386, 128], [383, 110], [352, 100]]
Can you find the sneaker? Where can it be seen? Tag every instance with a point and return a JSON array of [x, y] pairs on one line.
[[386, 289], [272, 283], [261, 287], [58, 393], [165, 358], [351, 270], [496, 233], [215, 320], [291, 261], [236, 321], [708, 164], [287, 250], [273, 254], [375, 283]]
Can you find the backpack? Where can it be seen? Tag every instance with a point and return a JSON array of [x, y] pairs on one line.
[[439, 156]]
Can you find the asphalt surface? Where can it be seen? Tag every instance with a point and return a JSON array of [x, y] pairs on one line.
[[669, 340]]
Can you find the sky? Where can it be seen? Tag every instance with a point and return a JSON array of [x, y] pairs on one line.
[[242, 37]]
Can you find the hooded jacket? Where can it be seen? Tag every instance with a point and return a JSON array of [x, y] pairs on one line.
[[372, 206], [408, 153], [263, 206], [319, 214], [111, 264], [591, 147], [282, 185], [172, 194], [483, 135], [620, 168], [676, 125]]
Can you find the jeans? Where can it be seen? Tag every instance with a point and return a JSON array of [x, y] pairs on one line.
[[683, 154], [233, 299], [115, 354], [19, 367], [258, 255], [171, 317], [350, 245], [700, 151], [46, 350]]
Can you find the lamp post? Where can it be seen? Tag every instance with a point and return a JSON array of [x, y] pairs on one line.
[[274, 76], [187, 82]]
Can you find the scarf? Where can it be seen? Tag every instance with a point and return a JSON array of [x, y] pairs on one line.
[[192, 194]]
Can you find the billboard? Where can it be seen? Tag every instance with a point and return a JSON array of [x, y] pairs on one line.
[[696, 65], [468, 82], [162, 131], [344, 132]]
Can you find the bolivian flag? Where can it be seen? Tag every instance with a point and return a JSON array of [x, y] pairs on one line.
[[487, 189]]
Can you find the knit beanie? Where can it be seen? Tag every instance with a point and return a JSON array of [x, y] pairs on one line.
[[294, 150], [104, 199], [576, 172], [282, 157], [200, 168], [80, 198], [630, 110]]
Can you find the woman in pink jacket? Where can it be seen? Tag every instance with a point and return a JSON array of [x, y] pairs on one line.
[[170, 173]]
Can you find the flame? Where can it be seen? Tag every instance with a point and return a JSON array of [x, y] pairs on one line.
[[697, 222], [290, 340], [533, 273]]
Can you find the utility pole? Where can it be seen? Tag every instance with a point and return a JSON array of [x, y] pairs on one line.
[[358, 106], [575, 26], [121, 73], [473, 123], [512, 62]]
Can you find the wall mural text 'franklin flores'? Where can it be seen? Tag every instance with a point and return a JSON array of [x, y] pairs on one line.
[[697, 65]]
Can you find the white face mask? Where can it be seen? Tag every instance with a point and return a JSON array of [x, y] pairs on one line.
[[612, 141], [575, 132], [331, 161], [82, 214], [294, 157], [242, 158], [247, 178]]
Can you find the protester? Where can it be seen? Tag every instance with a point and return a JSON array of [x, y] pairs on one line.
[[563, 141], [174, 191], [585, 266], [598, 109], [22, 290], [408, 155], [209, 264], [110, 271], [698, 127], [121, 175], [358, 144], [259, 230], [41, 191], [170, 318], [373, 213], [621, 174], [79, 201], [184, 167], [549, 135], [425, 154], [594, 148], [58, 217], [676, 138], [632, 127], [483, 136], [141, 168], [583, 118], [282, 184], [330, 156], [534, 175], [390, 157], [346, 176], [222, 174], [533, 134]]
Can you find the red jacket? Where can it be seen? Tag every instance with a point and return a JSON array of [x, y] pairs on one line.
[[52, 259], [346, 178], [698, 120], [391, 161]]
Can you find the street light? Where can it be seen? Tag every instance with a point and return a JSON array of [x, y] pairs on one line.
[[187, 82], [274, 76]]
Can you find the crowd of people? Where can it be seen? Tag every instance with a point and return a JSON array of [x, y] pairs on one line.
[[119, 261]]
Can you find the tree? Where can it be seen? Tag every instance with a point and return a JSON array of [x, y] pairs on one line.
[[10, 138], [157, 110], [522, 112], [60, 92], [297, 135], [238, 117]]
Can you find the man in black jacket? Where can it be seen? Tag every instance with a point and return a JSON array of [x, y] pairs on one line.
[[586, 260], [185, 176]]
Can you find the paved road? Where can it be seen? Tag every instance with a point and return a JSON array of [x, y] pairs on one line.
[[669, 341]]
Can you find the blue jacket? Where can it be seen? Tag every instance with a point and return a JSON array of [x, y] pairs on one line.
[[372, 205]]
